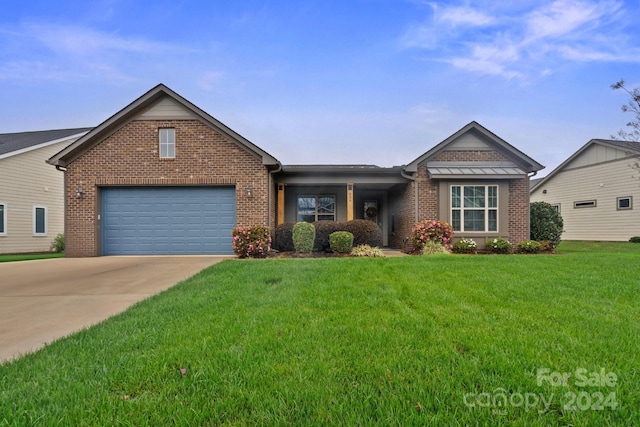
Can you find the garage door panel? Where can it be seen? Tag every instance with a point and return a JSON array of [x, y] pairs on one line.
[[167, 220]]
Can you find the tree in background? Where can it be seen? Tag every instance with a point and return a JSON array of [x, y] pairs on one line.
[[633, 106]]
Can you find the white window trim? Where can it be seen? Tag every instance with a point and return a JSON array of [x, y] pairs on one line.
[[160, 144], [4, 217], [556, 206], [486, 208], [622, 198], [45, 221]]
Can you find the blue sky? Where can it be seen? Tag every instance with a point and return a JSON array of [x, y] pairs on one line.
[[351, 81]]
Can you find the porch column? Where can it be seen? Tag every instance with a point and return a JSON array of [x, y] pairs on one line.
[[349, 201], [280, 203]]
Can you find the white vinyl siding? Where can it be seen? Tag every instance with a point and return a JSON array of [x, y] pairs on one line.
[[28, 181], [604, 183], [40, 220]]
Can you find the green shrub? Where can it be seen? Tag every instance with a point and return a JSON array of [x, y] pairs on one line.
[[529, 247], [341, 242], [465, 246], [431, 230], [251, 242], [57, 245], [635, 239], [364, 232], [283, 237], [500, 246], [323, 231], [367, 250], [546, 223], [432, 248], [304, 234]]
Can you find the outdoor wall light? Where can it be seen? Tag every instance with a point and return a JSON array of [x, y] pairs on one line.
[[249, 192], [79, 193]]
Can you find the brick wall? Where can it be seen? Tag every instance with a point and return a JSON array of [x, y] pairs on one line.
[[130, 157], [403, 211], [519, 210]]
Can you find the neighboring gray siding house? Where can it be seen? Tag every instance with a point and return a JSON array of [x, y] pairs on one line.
[[597, 191], [31, 192]]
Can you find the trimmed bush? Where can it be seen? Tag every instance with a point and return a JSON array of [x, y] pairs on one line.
[[433, 248], [283, 237], [635, 239], [57, 245], [323, 231], [500, 246], [431, 230], [546, 223], [529, 247], [304, 234], [465, 246], [251, 242], [364, 232], [368, 251], [341, 242]]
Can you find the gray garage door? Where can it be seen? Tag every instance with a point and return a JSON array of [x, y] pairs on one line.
[[167, 220]]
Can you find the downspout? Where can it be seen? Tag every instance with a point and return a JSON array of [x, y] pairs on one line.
[[270, 192], [415, 196]]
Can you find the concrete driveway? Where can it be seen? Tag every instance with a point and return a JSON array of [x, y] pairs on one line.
[[43, 300]]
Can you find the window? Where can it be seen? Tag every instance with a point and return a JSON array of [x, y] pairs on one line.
[[3, 219], [39, 220], [585, 204], [556, 206], [167, 143], [316, 208], [624, 203], [474, 207]]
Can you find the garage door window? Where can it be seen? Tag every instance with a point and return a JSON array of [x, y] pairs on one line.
[[167, 143]]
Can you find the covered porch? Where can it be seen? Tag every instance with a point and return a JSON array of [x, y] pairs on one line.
[[341, 193]]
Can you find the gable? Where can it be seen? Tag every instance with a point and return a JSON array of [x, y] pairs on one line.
[[596, 154], [469, 142], [166, 109]]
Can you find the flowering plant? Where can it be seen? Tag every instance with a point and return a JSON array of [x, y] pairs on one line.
[[500, 246], [431, 230], [529, 247], [465, 246], [251, 242]]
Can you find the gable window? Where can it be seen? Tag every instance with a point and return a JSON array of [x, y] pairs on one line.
[[585, 204], [624, 203], [474, 207], [39, 220], [167, 143], [316, 208], [3, 219]]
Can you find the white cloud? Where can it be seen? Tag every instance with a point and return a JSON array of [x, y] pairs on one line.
[[500, 41]]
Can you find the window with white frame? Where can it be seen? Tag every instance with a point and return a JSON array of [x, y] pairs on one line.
[[316, 208], [3, 219], [167, 143], [624, 203], [556, 206], [39, 220], [474, 207]]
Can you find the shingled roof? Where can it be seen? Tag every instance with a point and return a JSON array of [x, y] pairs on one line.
[[10, 142]]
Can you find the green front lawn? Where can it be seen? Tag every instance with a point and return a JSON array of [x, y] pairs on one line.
[[398, 341], [29, 257]]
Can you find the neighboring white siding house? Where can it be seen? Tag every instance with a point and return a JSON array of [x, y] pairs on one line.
[[597, 191], [31, 191]]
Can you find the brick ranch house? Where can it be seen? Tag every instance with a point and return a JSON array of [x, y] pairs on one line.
[[162, 176]]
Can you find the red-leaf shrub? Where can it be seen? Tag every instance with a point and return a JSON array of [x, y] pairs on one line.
[[251, 242], [431, 230], [283, 237], [364, 232]]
